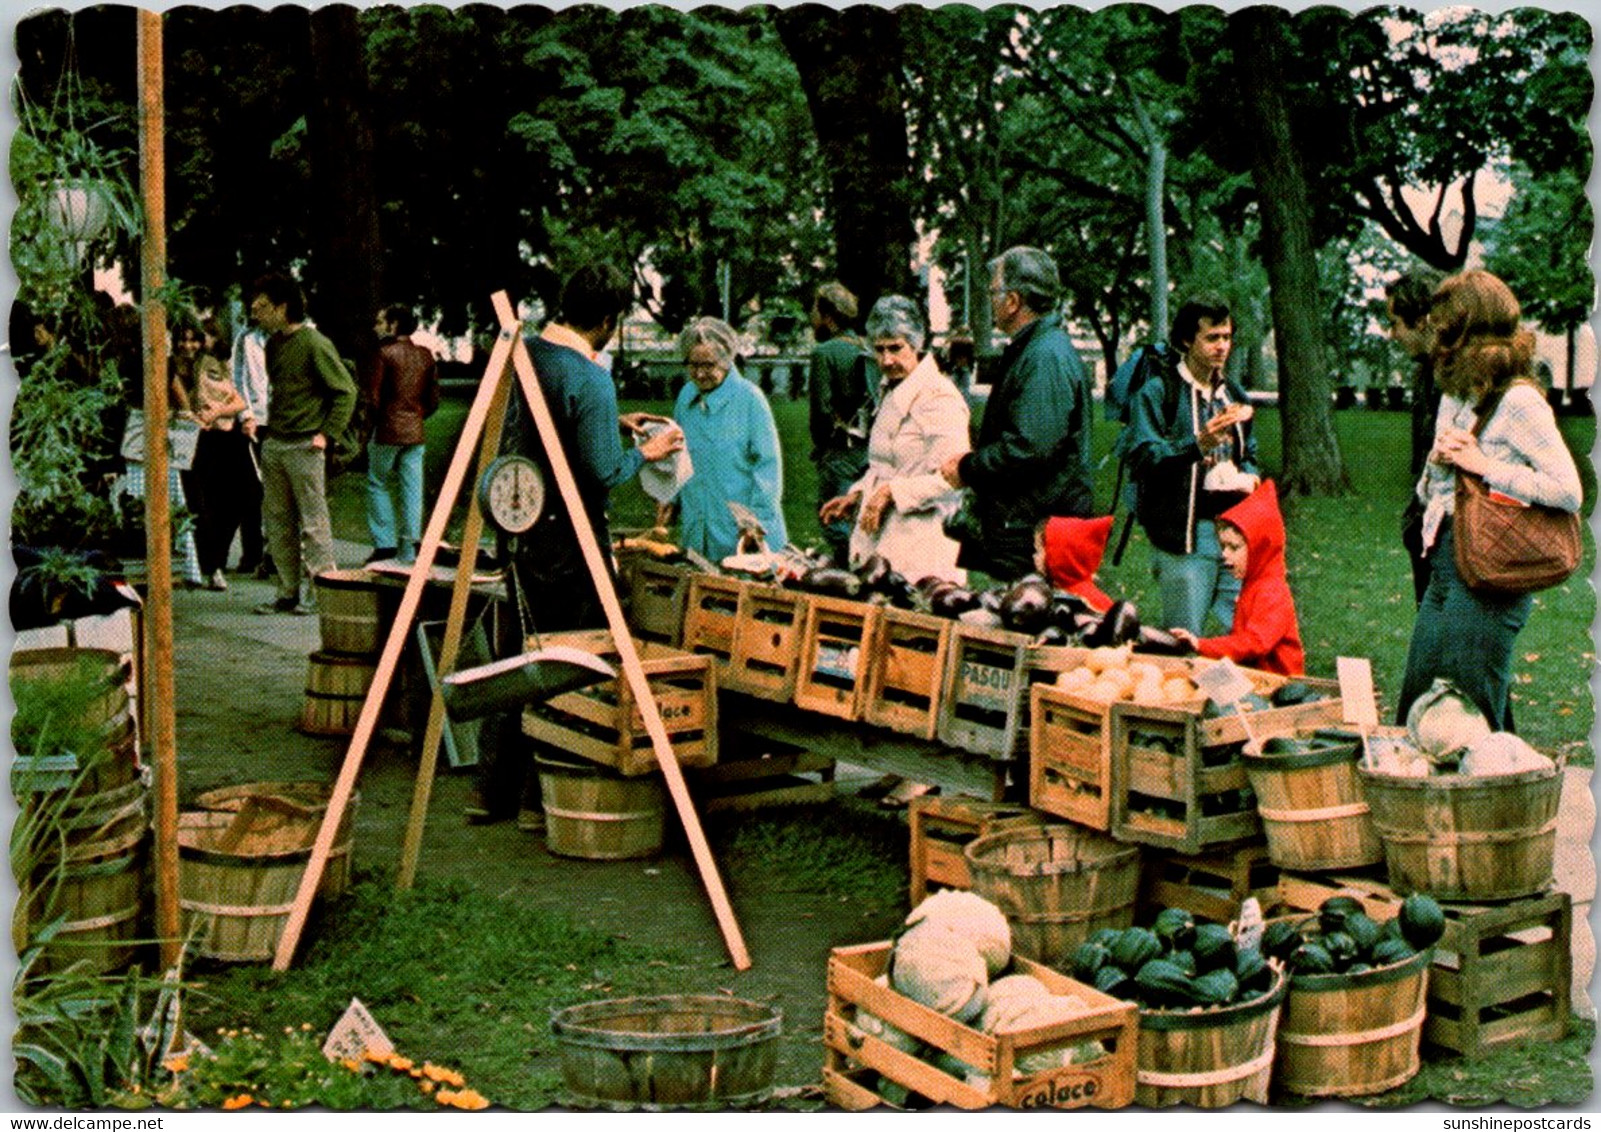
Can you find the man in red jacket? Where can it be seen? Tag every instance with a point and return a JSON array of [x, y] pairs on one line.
[[401, 390], [1265, 634]]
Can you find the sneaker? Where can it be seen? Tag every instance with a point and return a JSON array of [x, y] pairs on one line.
[[278, 605], [217, 582], [264, 570]]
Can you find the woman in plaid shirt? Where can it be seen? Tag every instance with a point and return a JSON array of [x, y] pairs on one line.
[[1480, 352]]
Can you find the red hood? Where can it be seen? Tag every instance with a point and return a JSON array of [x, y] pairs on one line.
[[1073, 552], [1258, 517]]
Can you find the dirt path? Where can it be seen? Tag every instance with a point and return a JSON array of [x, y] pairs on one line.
[[239, 682]]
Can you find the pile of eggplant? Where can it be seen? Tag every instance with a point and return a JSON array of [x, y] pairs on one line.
[[1029, 606]]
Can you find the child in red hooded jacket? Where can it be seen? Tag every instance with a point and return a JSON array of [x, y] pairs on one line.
[[1265, 634], [1067, 552]]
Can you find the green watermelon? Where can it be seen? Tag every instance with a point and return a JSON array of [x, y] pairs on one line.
[[1422, 921], [1163, 984], [1088, 959]]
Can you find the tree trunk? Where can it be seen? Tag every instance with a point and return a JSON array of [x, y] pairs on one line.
[[1155, 220], [848, 60], [1312, 464], [346, 263]]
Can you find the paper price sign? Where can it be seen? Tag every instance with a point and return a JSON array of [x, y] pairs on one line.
[[1357, 704]]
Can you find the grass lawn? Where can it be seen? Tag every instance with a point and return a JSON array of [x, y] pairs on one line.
[[1350, 575]]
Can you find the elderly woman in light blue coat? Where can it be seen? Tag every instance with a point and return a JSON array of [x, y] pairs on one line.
[[733, 445], [901, 503]]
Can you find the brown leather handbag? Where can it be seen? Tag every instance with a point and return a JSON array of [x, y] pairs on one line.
[[1505, 548]]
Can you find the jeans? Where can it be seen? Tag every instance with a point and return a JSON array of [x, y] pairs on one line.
[[1193, 585], [389, 466], [295, 504], [837, 469], [1463, 637]]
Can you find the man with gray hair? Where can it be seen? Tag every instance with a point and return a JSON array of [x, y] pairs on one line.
[[1032, 460], [841, 385]]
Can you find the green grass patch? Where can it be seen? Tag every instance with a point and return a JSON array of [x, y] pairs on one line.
[[453, 975], [842, 850]]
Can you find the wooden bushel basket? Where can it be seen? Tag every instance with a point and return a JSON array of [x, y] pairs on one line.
[[1351, 1035], [1459, 837], [336, 688], [309, 799], [596, 814], [668, 1053], [1313, 810], [1209, 1058], [1057, 885], [112, 764], [347, 612], [238, 874], [95, 889]]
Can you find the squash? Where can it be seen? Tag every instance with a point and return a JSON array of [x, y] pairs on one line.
[[1075, 679], [1332, 912], [1422, 921], [1280, 938], [1135, 947], [1089, 958], [1388, 951], [1341, 948], [1175, 927], [1113, 980], [1252, 970], [1213, 947], [1364, 930], [1215, 988], [1311, 959], [1161, 983]]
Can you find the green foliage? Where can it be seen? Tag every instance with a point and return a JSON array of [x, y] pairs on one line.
[[824, 849], [1540, 246], [77, 1042]]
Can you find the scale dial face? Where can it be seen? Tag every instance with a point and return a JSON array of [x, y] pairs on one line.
[[512, 494]]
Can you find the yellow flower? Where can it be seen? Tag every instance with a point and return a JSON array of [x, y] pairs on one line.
[[443, 1075], [351, 1064], [471, 1100], [426, 1086], [233, 1103]]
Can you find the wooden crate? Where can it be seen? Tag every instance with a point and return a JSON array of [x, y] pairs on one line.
[[1213, 885], [602, 722], [711, 617], [942, 826], [1501, 973], [906, 671], [1177, 779], [981, 699], [791, 777], [766, 645], [831, 677], [1069, 765], [656, 592], [851, 1054]]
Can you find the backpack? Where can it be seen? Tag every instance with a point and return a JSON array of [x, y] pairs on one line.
[[1152, 361]]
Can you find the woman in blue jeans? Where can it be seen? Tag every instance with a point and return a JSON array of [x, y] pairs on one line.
[[1482, 363]]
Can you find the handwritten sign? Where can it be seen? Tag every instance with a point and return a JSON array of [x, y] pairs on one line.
[[1223, 682], [356, 1032], [1357, 703]]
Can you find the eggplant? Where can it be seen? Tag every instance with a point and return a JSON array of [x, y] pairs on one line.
[[1161, 642], [1054, 635], [873, 572], [1066, 608], [928, 583], [832, 582], [1026, 608], [1117, 626], [952, 601]]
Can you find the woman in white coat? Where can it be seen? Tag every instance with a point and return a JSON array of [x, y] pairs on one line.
[[902, 502]]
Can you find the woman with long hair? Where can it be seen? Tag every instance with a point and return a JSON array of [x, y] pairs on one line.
[[1494, 422], [205, 391]]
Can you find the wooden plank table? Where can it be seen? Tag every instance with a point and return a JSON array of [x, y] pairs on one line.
[[919, 760]]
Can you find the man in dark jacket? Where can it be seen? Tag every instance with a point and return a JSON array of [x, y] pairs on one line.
[[1408, 300], [549, 582], [1192, 455], [401, 389], [1032, 459], [841, 385]]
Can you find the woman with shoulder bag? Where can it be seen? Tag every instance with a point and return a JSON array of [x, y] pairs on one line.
[[1494, 424]]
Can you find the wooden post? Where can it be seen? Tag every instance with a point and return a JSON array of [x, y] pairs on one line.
[[411, 848], [633, 671], [367, 722], [158, 691]]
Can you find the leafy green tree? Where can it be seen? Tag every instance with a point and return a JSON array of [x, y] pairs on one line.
[[1540, 246]]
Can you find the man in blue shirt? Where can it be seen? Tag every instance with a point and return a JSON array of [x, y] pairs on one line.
[[548, 578]]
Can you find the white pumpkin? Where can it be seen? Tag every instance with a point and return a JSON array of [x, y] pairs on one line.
[[1075, 678], [969, 914], [1442, 721], [1501, 753]]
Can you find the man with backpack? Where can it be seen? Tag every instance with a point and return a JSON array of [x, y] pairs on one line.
[[841, 384], [1191, 453]]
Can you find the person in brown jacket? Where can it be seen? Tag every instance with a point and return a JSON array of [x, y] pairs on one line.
[[401, 390]]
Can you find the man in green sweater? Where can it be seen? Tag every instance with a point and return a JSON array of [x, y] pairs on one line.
[[311, 397]]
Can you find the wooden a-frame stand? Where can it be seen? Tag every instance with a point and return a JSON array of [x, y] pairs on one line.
[[482, 431]]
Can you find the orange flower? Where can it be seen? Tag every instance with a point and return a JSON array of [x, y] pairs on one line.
[[377, 1055], [176, 1064], [469, 1100], [351, 1064], [398, 1062], [426, 1086], [443, 1075], [241, 1101]]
